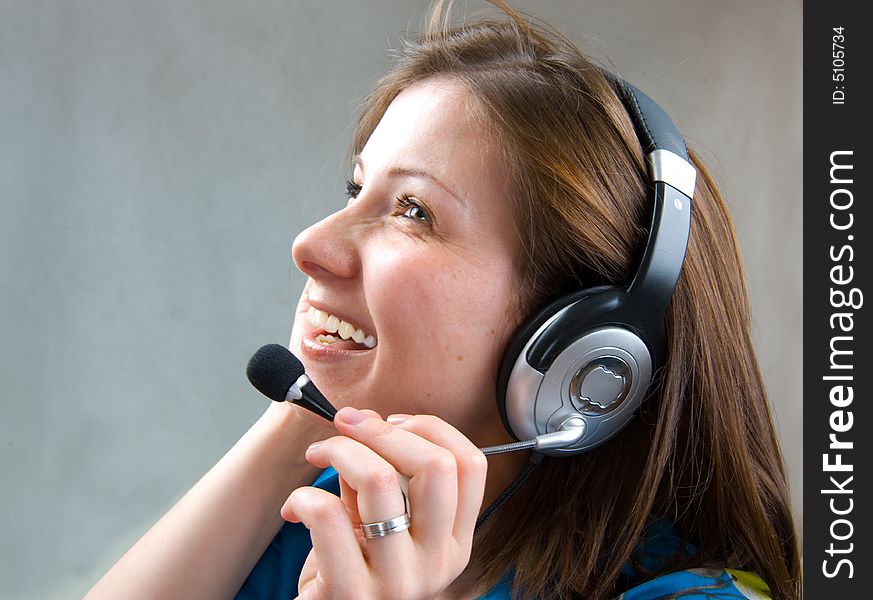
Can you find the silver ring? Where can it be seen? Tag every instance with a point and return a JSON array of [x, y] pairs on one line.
[[383, 528]]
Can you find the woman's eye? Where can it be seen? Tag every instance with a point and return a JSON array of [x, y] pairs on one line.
[[412, 209], [352, 189]]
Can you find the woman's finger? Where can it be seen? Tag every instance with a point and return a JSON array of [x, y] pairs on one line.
[[371, 413], [370, 488], [472, 465], [350, 499], [348, 494], [372, 477], [333, 540], [432, 469]]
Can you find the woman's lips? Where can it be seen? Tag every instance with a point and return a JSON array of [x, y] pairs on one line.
[[338, 350], [335, 341], [338, 327]]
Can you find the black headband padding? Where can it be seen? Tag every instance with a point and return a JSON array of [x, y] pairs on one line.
[[654, 127]]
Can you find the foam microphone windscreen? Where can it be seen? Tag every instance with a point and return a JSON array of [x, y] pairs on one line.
[[273, 369]]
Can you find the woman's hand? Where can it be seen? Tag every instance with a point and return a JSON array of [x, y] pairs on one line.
[[446, 485]]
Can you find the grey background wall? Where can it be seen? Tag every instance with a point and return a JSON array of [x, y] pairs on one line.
[[158, 158]]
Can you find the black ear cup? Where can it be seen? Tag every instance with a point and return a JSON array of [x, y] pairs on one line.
[[601, 373], [591, 354], [520, 342]]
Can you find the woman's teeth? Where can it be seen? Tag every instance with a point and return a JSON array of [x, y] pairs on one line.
[[331, 324]]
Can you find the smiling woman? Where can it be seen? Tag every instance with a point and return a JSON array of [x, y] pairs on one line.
[[498, 171], [432, 277]]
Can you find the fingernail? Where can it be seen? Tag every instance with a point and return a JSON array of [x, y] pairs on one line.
[[398, 418], [313, 446], [351, 415]]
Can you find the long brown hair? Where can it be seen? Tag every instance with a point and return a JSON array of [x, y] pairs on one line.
[[703, 453]]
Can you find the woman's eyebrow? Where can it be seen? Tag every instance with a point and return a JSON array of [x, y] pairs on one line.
[[410, 172]]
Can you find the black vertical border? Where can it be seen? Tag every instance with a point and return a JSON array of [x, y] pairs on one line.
[[831, 127]]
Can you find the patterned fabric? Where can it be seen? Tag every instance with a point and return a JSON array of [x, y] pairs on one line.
[[701, 584], [275, 575]]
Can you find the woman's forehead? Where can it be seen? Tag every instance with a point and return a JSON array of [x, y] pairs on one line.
[[434, 126]]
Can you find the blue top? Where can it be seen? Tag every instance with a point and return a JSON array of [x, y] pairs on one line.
[[277, 571]]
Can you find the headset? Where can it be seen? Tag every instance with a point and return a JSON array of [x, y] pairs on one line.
[[584, 363]]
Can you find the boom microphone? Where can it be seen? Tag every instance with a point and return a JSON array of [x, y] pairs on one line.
[[279, 375]]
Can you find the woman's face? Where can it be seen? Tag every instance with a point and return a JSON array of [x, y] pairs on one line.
[[422, 259]]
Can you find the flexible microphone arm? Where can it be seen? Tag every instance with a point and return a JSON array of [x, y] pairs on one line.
[[569, 433], [280, 376]]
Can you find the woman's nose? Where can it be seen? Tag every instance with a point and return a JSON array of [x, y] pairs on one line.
[[326, 249]]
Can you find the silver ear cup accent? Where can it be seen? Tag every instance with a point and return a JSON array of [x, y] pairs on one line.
[[673, 170], [522, 388], [600, 386], [538, 403]]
